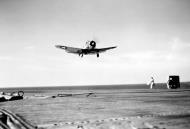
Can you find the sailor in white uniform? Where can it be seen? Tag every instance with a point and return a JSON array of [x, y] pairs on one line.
[[151, 82]]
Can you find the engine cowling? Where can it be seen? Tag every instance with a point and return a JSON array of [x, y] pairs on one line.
[[90, 44]]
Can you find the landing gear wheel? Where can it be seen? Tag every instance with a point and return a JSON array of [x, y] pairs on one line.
[[98, 55]]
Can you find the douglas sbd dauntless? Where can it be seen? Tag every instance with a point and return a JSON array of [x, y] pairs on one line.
[[89, 49]]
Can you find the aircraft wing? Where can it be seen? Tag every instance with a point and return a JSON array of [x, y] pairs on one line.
[[104, 49], [70, 49]]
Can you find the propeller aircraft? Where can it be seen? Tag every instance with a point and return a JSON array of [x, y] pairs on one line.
[[90, 48]]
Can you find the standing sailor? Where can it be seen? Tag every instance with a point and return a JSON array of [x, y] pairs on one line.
[[151, 82]]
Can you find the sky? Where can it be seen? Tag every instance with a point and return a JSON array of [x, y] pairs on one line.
[[152, 39]]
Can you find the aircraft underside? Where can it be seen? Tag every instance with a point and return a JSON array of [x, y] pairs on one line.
[[90, 49], [89, 53]]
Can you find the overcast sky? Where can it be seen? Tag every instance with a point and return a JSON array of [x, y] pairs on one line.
[[153, 39]]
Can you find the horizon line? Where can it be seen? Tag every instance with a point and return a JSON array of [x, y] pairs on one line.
[[90, 85]]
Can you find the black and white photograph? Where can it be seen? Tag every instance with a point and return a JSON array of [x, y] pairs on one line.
[[94, 64]]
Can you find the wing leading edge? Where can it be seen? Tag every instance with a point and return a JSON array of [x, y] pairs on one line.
[[82, 52], [70, 49], [105, 49]]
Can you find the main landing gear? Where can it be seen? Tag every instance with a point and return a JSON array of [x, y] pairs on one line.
[[98, 55], [81, 55]]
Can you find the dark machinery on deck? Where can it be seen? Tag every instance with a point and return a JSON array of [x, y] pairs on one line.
[[173, 82], [11, 96]]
